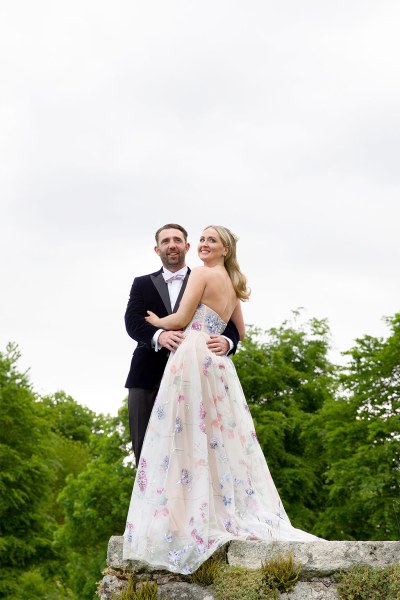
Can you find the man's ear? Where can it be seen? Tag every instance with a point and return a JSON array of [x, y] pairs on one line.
[[157, 250]]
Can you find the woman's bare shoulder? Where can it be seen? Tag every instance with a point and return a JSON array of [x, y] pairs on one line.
[[197, 272]]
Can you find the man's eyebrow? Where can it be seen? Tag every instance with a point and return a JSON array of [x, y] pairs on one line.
[[174, 237]]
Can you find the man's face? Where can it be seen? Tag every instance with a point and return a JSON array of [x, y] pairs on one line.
[[171, 248]]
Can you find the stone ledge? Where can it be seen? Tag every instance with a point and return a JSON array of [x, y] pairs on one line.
[[311, 590], [320, 561]]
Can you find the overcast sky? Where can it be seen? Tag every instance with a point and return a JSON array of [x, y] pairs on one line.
[[279, 120]]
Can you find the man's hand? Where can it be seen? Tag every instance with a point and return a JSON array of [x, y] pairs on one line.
[[218, 344], [170, 339]]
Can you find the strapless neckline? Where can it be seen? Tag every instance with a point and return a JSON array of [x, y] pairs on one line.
[[207, 320]]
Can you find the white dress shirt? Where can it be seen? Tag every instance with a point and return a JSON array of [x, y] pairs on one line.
[[174, 283]]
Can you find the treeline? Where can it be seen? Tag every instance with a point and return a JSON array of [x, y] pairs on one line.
[[331, 436]]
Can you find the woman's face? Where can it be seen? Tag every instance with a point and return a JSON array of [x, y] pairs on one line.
[[210, 247]]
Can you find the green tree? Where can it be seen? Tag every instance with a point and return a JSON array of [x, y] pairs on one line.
[[72, 426], [287, 377], [95, 504], [362, 441], [43, 442], [69, 419], [26, 476]]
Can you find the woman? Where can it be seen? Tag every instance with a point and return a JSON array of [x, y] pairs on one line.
[[202, 479]]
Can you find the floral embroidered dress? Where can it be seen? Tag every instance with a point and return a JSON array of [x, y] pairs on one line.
[[202, 478]]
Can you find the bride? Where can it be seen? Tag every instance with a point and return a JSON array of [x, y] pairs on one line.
[[202, 478]]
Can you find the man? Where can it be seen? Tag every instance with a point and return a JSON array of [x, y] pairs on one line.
[[161, 293]]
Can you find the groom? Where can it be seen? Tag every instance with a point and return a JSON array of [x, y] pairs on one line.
[[161, 293]]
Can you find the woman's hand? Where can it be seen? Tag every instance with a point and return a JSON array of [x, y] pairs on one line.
[[152, 318]]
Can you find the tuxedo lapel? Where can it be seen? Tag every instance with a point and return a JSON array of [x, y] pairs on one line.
[[175, 308], [162, 288]]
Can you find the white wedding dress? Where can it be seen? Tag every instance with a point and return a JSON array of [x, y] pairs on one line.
[[202, 478]]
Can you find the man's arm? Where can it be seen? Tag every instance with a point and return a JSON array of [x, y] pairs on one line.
[[139, 329], [232, 333], [136, 326]]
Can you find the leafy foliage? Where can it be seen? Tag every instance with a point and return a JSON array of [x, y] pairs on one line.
[[290, 367], [287, 376], [26, 475], [362, 443], [36, 585], [331, 437], [95, 505], [69, 419], [65, 484]]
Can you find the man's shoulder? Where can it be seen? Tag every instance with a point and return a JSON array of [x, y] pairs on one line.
[[144, 278]]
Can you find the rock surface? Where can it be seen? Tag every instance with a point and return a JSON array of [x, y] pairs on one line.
[[312, 590], [111, 585], [184, 591], [320, 561]]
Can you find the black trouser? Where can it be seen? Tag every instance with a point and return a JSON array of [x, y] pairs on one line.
[[140, 405]]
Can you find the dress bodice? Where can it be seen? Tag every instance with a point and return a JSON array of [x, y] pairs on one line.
[[207, 320]]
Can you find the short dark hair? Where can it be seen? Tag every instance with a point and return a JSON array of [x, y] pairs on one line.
[[172, 226]]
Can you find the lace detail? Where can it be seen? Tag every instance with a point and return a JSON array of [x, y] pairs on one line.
[[207, 320]]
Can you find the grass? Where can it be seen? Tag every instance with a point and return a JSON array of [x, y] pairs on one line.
[[239, 583], [279, 573], [146, 590], [370, 583], [207, 572]]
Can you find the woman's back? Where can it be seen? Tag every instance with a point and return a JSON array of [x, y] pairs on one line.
[[218, 293]]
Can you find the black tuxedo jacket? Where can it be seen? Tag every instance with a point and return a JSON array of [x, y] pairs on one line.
[[150, 292]]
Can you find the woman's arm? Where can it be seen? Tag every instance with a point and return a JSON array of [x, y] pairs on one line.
[[237, 318], [187, 307]]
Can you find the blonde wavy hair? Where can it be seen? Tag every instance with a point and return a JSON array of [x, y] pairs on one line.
[[239, 280]]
